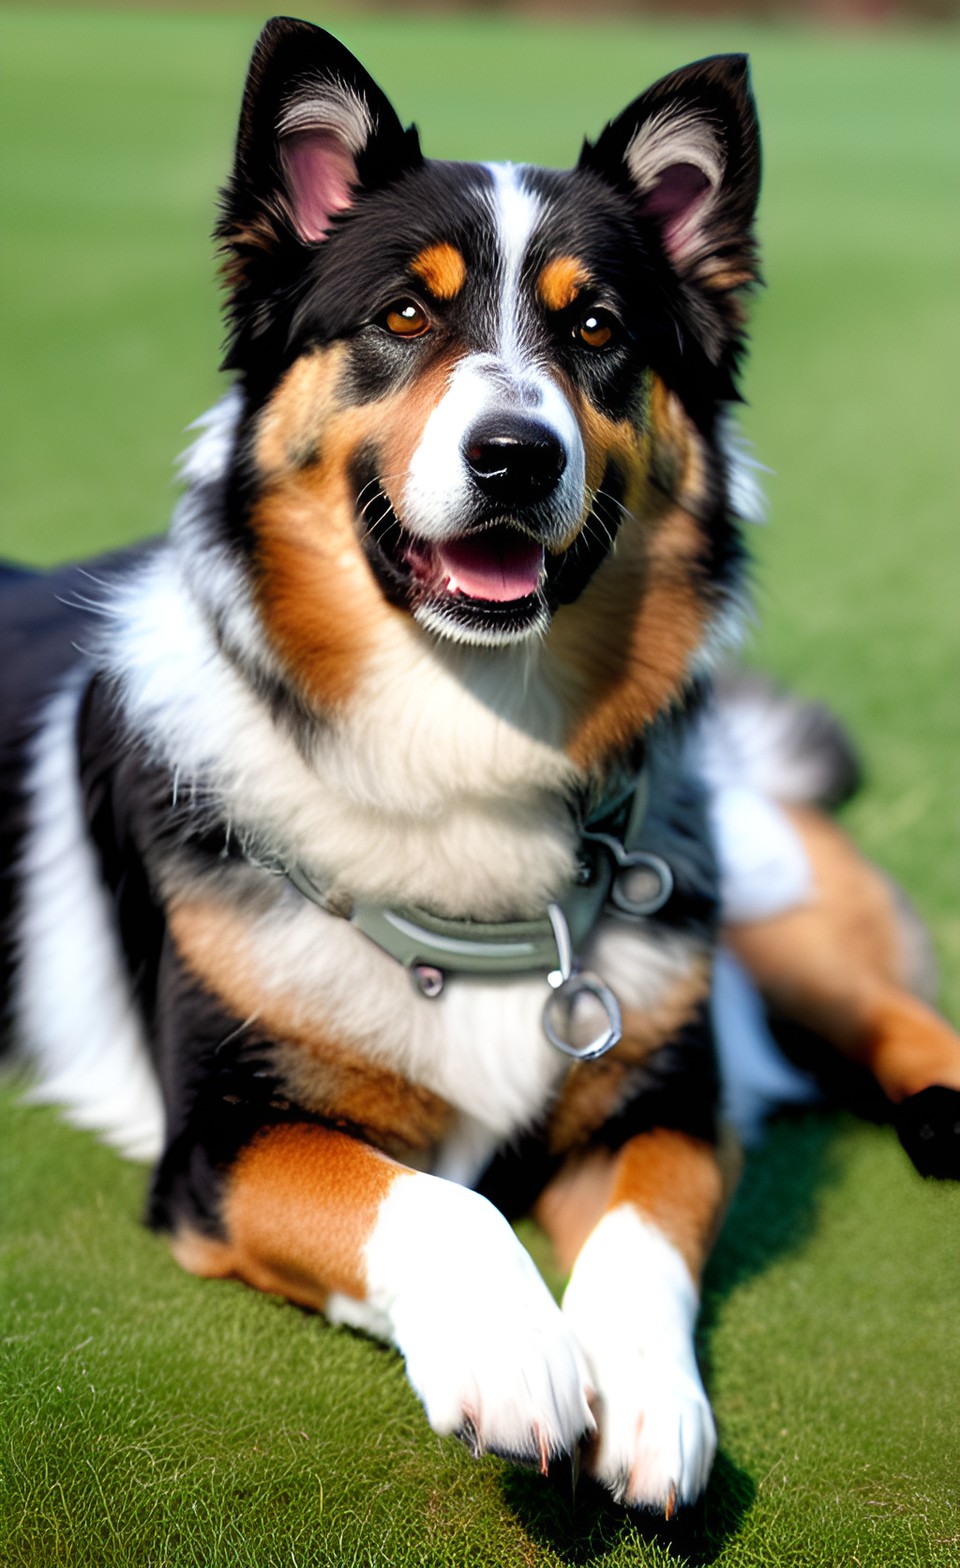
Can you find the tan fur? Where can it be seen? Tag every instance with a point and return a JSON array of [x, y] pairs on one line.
[[298, 1208], [327, 1076], [443, 270], [678, 1183], [400, 422], [908, 1046], [652, 589], [561, 281], [317, 597], [678, 461], [836, 966], [575, 1201], [652, 586], [259, 235], [203, 1255], [318, 600], [292, 424], [723, 280], [606, 439]]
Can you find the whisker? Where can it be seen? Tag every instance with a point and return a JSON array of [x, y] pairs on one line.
[[235, 1033], [371, 525], [612, 500], [378, 495], [101, 582], [78, 601], [597, 527], [379, 480]]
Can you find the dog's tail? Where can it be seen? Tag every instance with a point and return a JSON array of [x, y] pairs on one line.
[[831, 944], [758, 747], [757, 735], [761, 752]]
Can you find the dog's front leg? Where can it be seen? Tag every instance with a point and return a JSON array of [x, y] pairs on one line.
[[329, 1221], [637, 1228]]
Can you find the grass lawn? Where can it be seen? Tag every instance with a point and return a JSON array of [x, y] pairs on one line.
[[147, 1418]]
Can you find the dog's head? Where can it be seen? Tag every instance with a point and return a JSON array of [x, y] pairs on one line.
[[466, 385]]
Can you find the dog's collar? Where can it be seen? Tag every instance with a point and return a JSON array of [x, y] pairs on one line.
[[613, 875]]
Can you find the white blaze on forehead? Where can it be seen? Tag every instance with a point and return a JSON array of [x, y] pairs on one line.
[[437, 493], [516, 212]]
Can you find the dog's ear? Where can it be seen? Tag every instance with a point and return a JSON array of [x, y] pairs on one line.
[[687, 153], [315, 129]]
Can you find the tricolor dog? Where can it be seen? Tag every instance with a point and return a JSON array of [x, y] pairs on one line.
[[368, 861]]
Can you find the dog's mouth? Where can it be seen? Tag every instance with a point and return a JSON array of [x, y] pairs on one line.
[[486, 585], [499, 566], [494, 583]]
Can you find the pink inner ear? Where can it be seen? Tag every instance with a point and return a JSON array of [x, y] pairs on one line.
[[679, 191], [320, 175]]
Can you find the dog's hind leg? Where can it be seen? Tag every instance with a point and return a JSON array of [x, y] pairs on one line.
[[844, 966]]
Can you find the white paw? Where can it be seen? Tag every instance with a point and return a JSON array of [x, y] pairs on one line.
[[486, 1347], [657, 1437], [632, 1304]]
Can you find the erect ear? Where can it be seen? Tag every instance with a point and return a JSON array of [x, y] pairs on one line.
[[688, 154], [314, 130]]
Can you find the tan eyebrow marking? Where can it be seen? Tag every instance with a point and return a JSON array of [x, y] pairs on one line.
[[442, 269], [561, 281]]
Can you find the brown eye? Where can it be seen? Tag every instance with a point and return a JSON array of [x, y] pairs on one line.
[[595, 328], [406, 319]]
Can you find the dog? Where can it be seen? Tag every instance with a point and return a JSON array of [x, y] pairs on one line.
[[370, 836]]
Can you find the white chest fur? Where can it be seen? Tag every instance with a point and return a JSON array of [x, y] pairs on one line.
[[442, 784]]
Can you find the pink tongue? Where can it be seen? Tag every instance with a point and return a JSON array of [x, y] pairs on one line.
[[494, 566]]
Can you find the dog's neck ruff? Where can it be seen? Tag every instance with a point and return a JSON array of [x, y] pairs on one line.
[[613, 875]]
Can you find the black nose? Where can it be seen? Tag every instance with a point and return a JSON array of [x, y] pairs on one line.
[[514, 461]]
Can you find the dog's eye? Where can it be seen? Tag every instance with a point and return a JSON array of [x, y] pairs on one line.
[[596, 328], [406, 319]]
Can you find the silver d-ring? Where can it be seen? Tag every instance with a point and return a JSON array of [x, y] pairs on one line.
[[658, 873], [558, 1003]]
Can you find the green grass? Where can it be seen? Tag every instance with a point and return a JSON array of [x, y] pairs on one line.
[[150, 1419]]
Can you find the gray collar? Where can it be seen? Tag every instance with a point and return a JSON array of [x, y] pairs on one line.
[[614, 876]]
